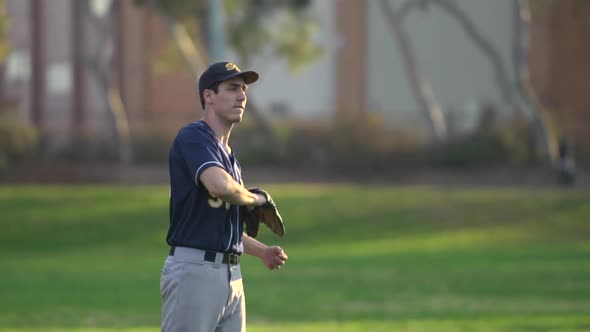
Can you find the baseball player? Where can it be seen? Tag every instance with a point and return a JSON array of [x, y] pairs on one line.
[[201, 281]]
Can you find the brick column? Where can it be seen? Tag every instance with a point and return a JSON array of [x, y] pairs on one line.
[[351, 73]]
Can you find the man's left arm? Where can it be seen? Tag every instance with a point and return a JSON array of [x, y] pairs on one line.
[[273, 257]]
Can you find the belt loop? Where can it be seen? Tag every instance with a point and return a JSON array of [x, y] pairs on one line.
[[172, 249], [210, 256]]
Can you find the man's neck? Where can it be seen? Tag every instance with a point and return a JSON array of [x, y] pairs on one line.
[[221, 129]]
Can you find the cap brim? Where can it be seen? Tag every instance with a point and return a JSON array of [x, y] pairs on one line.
[[248, 76]]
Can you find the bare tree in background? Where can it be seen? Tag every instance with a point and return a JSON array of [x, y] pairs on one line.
[[419, 86], [519, 94], [100, 64]]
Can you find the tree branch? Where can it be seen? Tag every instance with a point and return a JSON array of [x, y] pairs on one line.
[[192, 56], [418, 86], [500, 73]]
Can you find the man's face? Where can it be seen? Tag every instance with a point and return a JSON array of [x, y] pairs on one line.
[[230, 101]]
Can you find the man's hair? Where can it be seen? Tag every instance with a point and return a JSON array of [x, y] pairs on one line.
[[214, 87]]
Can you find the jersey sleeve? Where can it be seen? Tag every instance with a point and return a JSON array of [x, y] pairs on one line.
[[199, 152]]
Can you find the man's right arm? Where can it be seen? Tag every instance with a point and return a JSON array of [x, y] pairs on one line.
[[221, 185]]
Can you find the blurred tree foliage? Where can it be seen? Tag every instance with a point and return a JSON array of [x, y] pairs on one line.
[[4, 25], [375, 144], [17, 140], [284, 28]]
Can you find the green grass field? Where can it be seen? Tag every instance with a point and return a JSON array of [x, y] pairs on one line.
[[362, 258]]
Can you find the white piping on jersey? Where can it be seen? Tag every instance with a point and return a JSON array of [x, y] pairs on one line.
[[231, 235], [207, 163], [223, 149], [237, 177], [232, 228]]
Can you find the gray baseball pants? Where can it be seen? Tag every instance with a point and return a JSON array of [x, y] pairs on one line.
[[201, 296]]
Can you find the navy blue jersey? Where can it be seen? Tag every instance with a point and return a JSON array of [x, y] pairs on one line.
[[197, 219]]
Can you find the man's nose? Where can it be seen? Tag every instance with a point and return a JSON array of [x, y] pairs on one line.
[[242, 95]]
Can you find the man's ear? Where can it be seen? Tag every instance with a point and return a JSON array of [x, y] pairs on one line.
[[208, 95]]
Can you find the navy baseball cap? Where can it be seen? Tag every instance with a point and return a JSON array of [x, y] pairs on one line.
[[221, 71]]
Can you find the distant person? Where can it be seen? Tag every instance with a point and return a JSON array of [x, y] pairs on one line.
[[201, 281], [567, 165]]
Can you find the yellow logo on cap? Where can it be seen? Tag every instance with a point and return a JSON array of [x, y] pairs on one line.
[[230, 66]]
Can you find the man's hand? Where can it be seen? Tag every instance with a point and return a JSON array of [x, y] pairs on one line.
[[274, 257]]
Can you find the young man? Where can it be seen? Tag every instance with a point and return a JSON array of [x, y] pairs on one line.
[[201, 282]]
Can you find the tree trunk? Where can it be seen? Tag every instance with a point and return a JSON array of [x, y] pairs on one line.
[[418, 85], [100, 66]]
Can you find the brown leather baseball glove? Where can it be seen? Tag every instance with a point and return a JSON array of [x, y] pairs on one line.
[[266, 213]]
